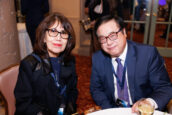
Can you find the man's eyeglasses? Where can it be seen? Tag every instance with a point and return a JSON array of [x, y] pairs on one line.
[[112, 36], [54, 33]]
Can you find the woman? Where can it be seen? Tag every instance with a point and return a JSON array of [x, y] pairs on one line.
[[47, 78]]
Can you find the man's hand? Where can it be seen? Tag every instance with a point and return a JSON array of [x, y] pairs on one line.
[[140, 103]]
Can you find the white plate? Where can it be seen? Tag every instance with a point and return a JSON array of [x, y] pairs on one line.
[[121, 111]]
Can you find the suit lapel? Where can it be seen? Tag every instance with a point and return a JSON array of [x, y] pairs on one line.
[[131, 62], [109, 77]]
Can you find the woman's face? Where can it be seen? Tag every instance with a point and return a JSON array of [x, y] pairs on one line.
[[56, 39]]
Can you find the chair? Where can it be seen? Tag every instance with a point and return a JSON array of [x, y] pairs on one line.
[[169, 107], [8, 80], [3, 105]]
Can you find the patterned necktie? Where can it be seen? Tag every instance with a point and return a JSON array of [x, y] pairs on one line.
[[120, 69], [122, 92]]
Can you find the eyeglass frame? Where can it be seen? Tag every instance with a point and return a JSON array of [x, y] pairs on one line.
[[107, 37], [57, 33]]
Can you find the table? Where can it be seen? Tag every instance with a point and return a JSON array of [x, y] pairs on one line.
[[24, 40], [121, 111]]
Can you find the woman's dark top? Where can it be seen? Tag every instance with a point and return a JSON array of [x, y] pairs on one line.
[[55, 62], [36, 90]]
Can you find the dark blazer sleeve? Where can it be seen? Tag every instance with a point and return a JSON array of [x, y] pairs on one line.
[[159, 80], [147, 75], [97, 89], [23, 92]]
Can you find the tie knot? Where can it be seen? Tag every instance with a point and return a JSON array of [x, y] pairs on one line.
[[118, 60]]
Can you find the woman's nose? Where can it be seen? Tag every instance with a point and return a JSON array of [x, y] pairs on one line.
[[58, 37], [109, 42]]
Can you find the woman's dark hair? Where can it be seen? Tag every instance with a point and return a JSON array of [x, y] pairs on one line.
[[107, 18], [40, 47]]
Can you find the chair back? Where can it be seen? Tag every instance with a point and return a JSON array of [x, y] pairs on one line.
[[8, 80], [169, 107]]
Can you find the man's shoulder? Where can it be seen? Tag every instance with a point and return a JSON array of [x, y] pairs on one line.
[[140, 50], [100, 54], [99, 57], [140, 46]]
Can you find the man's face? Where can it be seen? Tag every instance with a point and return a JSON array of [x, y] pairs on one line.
[[110, 30]]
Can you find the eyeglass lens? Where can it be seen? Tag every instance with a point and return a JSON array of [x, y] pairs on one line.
[[112, 36], [54, 33]]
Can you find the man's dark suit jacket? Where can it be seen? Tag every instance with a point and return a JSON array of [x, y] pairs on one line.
[[147, 76]]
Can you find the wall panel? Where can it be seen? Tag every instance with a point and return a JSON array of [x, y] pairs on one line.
[[9, 48]]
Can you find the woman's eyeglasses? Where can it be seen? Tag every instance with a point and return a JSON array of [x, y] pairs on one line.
[[54, 33]]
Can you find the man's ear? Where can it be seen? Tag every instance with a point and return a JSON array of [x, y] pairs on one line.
[[124, 32]]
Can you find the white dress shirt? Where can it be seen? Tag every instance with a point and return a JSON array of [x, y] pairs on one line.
[[114, 63]]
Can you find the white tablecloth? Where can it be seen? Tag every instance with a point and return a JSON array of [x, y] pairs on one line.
[[121, 111], [24, 40]]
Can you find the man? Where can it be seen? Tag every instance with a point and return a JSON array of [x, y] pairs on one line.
[[141, 78]]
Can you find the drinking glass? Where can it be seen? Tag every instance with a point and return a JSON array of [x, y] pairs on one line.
[[146, 108]]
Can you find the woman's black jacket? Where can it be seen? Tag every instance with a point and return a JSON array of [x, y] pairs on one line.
[[36, 91]]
